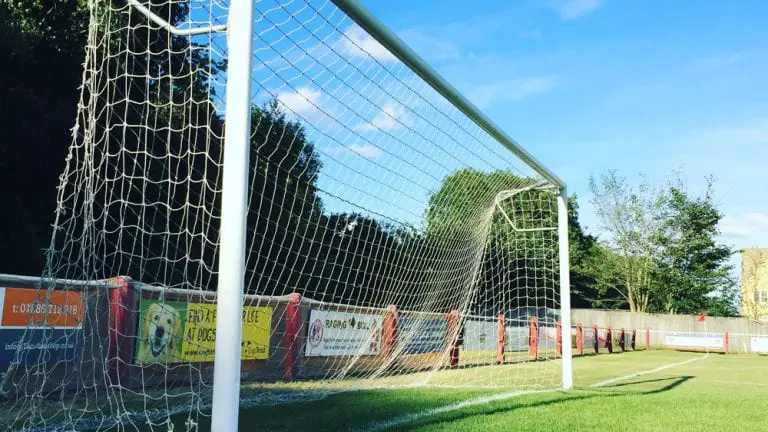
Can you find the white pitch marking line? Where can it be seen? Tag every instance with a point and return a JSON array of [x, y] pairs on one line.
[[646, 372], [412, 417]]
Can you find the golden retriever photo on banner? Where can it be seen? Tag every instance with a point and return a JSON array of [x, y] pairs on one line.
[[160, 333]]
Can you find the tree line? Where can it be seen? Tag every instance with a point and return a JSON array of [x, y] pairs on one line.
[[660, 251], [656, 252]]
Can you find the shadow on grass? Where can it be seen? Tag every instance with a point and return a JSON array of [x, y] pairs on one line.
[[563, 397], [406, 410], [678, 381]]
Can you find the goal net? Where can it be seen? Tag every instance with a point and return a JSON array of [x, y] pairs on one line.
[[394, 237]]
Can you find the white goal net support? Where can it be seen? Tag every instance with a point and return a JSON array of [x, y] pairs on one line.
[[286, 188]]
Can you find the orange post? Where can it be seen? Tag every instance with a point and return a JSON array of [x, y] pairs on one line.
[[500, 340], [390, 330], [533, 340], [453, 333], [292, 318], [579, 339], [122, 324], [559, 339], [727, 344], [647, 339], [634, 338]]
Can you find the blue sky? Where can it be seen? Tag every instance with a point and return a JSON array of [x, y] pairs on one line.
[[592, 85], [586, 86]]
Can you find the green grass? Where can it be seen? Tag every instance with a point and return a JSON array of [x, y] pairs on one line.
[[719, 393]]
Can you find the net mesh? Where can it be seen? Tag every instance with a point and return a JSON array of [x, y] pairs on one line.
[[389, 237]]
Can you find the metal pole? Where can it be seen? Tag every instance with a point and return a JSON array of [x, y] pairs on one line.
[[234, 206], [399, 49], [565, 287]]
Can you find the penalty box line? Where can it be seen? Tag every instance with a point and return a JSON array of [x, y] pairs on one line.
[[645, 372]]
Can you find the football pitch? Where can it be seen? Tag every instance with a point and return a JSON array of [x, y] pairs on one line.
[[635, 391]]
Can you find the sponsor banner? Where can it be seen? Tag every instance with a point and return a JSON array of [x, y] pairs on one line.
[[481, 335], [694, 341], [343, 334], [517, 339], [759, 344], [180, 332], [39, 325], [423, 335], [38, 345], [35, 308]]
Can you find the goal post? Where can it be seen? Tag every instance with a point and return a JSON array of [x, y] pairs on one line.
[[390, 41], [234, 210], [265, 201], [565, 285]]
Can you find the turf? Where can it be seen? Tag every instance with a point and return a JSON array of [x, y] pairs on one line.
[[717, 393]]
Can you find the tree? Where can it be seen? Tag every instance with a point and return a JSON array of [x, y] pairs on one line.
[[285, 223], [154, 127], [691, 266], [465, 209], [45, 37], [632, 218], [40, 39], [590, 286]]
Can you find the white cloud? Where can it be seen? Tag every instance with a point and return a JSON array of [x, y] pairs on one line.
[[392, 116], [361, 44], [366, 151], [744, 225], [302, 101], [510, 90], [572, 9]]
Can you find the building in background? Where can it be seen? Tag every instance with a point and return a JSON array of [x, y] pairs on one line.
[[754, 283]]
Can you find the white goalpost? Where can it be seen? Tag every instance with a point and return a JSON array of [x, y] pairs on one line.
[[234, 208], [266, 200]]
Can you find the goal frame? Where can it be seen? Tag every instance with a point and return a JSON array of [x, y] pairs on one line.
[[362, 17], [232, 249]]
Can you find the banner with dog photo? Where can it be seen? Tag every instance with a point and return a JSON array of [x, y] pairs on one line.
[[179, 332]]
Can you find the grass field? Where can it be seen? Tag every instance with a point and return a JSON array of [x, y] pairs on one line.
[[633, 391], [670, 391]]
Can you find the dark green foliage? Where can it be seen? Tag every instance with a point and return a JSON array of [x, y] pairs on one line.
[[663, 255], [693, 266], [41, 67], [517, 266], [293, 244], [588, 264]]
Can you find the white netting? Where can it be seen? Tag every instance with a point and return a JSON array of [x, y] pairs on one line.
[[387, 231]]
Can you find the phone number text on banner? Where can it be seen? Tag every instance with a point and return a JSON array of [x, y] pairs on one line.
[[343, 334], [177, 332]]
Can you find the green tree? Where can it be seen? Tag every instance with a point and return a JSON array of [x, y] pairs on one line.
[[42, 39], [631, 217], [594, 269], [499, 212], [692, 273], [154, 119]]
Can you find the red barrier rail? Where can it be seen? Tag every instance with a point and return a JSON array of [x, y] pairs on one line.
[[500, 340], [292, 325]]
